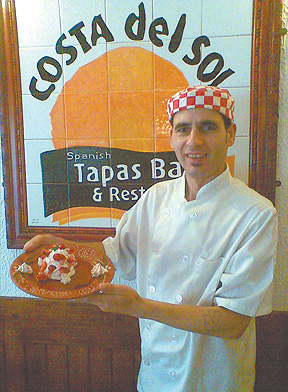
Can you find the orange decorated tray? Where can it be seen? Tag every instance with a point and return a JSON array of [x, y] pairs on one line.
[[81, 283]]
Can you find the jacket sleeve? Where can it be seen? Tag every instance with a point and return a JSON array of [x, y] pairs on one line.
[[246, 283]]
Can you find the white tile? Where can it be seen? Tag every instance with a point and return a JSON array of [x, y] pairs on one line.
[[224, 47], [82, 59], [227, 17], [38, 22], [172, 10], [36, 117], [36, 207], [140, 44], [189, 72], [76, 11], [29, 57], [240, 63], [117, 15], [241, 151], [33, 149], [242, 109]]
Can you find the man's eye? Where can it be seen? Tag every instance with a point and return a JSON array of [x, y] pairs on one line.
[[181, 130], [208, 128]]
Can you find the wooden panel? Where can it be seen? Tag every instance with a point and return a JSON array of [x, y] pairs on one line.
[[272, 353], [63, 322], [78, 368], [2, 363], [15, 366], [136, 362], [123, 374], [65, 346], [35, 361], [100, 369], [56, 368]]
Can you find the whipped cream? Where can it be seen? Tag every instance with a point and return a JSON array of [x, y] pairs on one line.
[[98, 270], [25, 268]]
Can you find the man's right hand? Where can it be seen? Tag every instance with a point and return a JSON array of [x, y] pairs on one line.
[[39, 240]]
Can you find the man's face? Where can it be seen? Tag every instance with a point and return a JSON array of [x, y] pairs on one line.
[[200, 141]]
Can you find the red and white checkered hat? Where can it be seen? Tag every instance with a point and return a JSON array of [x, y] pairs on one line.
[[205, 97]]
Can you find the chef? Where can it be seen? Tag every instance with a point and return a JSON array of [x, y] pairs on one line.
[[201, 249]]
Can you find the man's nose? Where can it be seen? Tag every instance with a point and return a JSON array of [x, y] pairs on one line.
[[195, 137]]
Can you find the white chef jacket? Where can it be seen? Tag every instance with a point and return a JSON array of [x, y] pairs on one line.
[[216, 250]]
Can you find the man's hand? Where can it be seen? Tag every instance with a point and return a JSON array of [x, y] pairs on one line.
[[39, 240], [208, 320], [117, 299]]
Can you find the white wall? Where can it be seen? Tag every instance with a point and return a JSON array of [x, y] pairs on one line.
[[7, 288]]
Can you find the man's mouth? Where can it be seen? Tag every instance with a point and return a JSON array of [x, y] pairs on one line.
[[196, 157]]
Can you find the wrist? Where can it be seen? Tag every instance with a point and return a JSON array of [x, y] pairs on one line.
[[143, 308]]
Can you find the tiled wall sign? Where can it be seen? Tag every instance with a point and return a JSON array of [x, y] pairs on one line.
[[95, 77]]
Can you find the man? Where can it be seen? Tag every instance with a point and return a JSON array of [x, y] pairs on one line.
[[202, 249]]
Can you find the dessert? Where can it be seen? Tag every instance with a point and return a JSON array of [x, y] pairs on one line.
[[57, 263], [25, 268], [98, 270]]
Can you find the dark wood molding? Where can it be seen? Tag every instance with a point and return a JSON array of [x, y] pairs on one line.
[[12, 124], [267, 32]]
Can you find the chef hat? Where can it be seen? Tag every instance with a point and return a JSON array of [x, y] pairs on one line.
[[205, 97]]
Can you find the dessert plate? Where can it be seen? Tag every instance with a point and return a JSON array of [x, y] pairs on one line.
[[81, 285]]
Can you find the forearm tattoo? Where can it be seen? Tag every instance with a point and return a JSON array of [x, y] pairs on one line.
[[212, 320]]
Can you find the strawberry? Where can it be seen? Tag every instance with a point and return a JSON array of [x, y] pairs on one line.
[[58, 257], [51, 268], [43, 266], [64, 270]]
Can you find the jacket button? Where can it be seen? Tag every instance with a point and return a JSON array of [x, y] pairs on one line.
[[179, 298], [173, 375], [193, 215], [185, 258], [166, 213], [173, 338]]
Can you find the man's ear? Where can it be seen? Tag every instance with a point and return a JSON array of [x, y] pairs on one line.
[[171, 132], [231, 133]]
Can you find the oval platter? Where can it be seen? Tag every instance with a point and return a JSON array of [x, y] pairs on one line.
[[82, 284]]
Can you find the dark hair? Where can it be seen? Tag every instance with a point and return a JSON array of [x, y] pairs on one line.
[[227, 121]]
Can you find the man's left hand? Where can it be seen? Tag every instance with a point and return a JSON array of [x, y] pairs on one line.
[[116, 299]]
